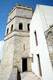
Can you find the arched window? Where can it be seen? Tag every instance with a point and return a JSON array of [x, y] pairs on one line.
[[20, 26], [7, 30], [12, 27], [28, 27]]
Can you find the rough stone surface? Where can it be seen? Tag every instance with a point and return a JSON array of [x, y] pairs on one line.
[[49, 40], [3, 77], [7, 59], [13, 75], [29, 64], [16, 42]]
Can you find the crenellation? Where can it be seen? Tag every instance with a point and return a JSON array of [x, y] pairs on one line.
[[30, 7], [26, 6], [12, 10], [17, 4], [20, 6], [16, 42]]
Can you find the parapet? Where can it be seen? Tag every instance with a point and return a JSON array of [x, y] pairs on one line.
[[20, 6]]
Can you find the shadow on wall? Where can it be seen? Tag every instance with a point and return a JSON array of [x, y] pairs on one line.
[[18, 76], [15, 74]]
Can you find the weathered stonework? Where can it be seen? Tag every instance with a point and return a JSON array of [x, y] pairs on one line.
[[16, 42], [49, 40], [13, 75]]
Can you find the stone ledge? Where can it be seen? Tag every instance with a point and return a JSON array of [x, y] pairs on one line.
[[19, 17]]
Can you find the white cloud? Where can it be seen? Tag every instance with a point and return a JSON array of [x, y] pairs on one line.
[[1, 48]]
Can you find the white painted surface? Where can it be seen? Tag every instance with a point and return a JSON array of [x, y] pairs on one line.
[[46, 16], [1, 48], [37, 23]]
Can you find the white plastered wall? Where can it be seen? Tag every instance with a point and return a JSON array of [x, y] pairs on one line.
[[41, 49]]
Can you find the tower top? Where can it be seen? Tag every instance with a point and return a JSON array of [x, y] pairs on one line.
[[20, 6]]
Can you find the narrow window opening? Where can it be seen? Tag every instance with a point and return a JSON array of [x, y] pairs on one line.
[[28, 27], [7, 30], [39, 64], [12, 28], [24, 47], [20, 26], [36, 38]]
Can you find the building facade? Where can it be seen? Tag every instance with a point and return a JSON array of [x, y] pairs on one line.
[[39, 44], [16, 42], [28, 43]]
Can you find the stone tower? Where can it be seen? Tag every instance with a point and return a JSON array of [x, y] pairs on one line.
[[16, 42]]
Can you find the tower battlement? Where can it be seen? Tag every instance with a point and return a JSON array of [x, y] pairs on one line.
[[20, 6], [16, 42]]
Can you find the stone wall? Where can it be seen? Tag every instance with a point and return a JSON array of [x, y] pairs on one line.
[[7, 59], [29, 60], [13, 75], [21, 50], [49, 40], [16, 42]]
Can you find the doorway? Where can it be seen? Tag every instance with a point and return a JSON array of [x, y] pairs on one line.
[[24, 64]]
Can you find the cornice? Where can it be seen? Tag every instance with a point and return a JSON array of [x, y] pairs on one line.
[[17, 34], [17, 31], [19, 17]]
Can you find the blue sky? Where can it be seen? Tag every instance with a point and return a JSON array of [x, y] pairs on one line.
[[7, 5]]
